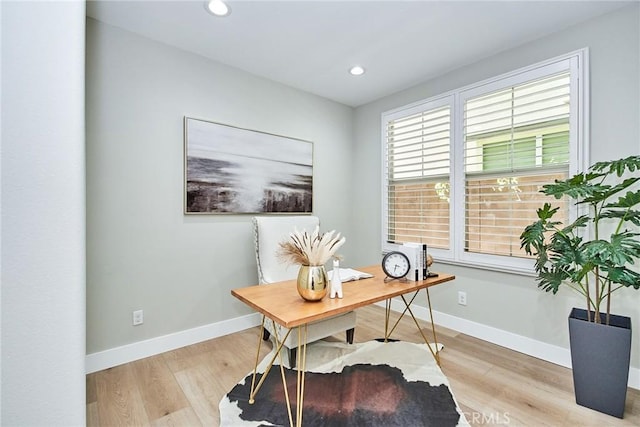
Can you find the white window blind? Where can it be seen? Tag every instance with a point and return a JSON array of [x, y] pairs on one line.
[[462, 172], [418, 164], [515, 140]]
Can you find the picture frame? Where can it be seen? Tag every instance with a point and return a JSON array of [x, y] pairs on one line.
[[232, 170]]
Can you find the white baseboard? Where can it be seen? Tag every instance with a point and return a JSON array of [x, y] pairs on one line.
[[538, 349], [116, 356], [128, 353]]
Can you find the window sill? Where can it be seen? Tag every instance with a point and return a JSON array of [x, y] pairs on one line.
[[488, 267]]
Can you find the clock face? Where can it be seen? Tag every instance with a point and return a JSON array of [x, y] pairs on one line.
[[395, 264]]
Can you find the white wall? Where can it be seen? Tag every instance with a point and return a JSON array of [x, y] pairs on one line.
[[510, 302], [0, 214], [43, 202], [143, 252]]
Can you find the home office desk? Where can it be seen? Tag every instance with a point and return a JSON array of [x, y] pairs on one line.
[[281, 303]]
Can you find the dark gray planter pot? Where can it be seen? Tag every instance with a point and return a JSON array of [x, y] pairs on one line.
[[600, 357]]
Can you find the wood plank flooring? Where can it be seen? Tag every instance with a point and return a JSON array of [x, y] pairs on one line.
[[494, 386]]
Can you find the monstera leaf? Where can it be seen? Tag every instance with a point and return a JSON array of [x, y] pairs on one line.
[[575, 254]]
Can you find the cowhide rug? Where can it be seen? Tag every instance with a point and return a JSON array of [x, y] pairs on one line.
[[367, 384]]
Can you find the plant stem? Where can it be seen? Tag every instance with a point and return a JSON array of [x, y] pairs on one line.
[[596, 220], [588, 296], [598, 295], [577, 289], [608, 302]]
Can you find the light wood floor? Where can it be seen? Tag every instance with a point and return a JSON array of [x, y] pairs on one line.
[[493, 385]]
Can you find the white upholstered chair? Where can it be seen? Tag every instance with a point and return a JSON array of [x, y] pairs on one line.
[[269, 231]]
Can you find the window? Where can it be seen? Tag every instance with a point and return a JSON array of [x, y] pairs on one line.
[[462, 172], [418, 175]]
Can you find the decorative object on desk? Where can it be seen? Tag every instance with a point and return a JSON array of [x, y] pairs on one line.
[[428, 269], [393, 383], [230, 170], [336, 281], [312, 251], [594, 256], [417, 253], [396, 265], [349, 274], [312, 282]]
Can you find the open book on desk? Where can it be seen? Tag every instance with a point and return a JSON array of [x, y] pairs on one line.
[[349, 274]]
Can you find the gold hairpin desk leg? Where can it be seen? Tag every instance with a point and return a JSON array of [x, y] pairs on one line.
[[279, 343], [387, 332], [433, 328], [407, 308], [387, 314], [302, 364]]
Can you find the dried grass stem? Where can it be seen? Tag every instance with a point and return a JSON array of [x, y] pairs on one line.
[[310, 249]]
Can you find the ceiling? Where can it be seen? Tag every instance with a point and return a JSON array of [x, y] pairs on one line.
[[310, 45]]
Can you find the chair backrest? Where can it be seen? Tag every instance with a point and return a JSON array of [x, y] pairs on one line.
[[269, 231]]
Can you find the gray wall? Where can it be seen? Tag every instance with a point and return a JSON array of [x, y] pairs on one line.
[[143, 252], [43, 204], [506, 301]]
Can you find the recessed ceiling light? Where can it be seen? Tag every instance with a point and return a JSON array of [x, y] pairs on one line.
[[356, 71], [217, 8]]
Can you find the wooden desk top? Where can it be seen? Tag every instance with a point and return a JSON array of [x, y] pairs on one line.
[[281, 302]]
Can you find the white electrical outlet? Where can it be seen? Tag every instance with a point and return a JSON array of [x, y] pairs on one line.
[[138, 317], [462, 298]]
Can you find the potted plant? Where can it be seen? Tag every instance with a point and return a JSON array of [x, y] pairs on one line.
[[592, 256]]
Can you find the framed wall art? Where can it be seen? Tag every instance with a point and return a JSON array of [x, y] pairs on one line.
[[230, 170]]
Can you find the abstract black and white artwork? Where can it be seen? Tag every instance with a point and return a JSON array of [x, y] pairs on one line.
[[233, 170]]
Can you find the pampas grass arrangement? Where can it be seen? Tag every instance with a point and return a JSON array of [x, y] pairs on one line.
[[310, 249]]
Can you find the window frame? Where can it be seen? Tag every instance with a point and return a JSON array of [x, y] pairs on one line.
[[576, 62], [430, 104]]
